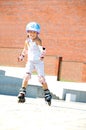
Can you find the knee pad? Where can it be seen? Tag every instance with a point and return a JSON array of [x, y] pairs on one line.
[[27, 76], [42, 80]]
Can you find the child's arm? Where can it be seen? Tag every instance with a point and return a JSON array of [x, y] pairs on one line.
[[42, 49], [24, 52]]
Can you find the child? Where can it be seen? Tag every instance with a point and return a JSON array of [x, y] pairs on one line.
[[36, 52]]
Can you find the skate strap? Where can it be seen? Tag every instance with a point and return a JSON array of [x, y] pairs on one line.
[[47, 91], [23, 93], [23, 90]]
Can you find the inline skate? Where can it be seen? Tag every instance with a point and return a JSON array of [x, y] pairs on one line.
[[21, 96], [48, 96]]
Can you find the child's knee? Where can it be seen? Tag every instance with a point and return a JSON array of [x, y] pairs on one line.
[[42, 80], [27, 76]]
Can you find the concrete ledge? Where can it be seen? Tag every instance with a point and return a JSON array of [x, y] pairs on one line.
[[78, 89], [80, 95], [11, 80], [9, 85], [12, 85]]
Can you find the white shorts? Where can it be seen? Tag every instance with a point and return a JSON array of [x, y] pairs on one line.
[[35, 65]]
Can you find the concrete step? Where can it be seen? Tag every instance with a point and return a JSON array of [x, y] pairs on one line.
[[12, 85], [11, 80]]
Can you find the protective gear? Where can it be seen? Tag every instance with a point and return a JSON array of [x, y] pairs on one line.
[[27, 76], [23, 91], [47, 95], [43, 51], [42, 80], [33, 26], [21, 95], [21, 57]]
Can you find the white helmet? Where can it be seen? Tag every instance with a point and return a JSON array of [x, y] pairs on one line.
[[33, 26]]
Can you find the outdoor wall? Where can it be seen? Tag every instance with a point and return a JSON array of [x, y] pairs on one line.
[[63, 32]]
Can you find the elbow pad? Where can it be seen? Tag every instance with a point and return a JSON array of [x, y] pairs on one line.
[[43, 50]]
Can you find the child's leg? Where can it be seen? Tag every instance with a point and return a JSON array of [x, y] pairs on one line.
[[40, 70], [43, 82], [29, 68], [21, 95], [25, 80], [46, 90]]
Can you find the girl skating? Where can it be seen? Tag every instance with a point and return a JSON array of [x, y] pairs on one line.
[[35, 51]]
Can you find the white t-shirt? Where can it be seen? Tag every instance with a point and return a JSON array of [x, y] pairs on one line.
[[34, 52]]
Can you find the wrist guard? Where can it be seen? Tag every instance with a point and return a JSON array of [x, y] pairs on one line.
[[21, 57]]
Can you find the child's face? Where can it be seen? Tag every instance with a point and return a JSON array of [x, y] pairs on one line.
[[32, 34]]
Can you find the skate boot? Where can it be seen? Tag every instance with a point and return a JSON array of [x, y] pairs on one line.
[[48, 96], [21, 96]]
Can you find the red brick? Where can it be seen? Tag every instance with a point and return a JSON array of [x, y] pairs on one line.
[[84, 72], [63, 31]]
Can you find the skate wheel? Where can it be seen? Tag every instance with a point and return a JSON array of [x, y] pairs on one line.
[[21, 100], [49, 103]]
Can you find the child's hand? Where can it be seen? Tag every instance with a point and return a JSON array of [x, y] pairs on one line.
[[21, 57]]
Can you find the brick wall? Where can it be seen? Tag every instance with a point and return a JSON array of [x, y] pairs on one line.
[[84, 72], [63, 32]]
